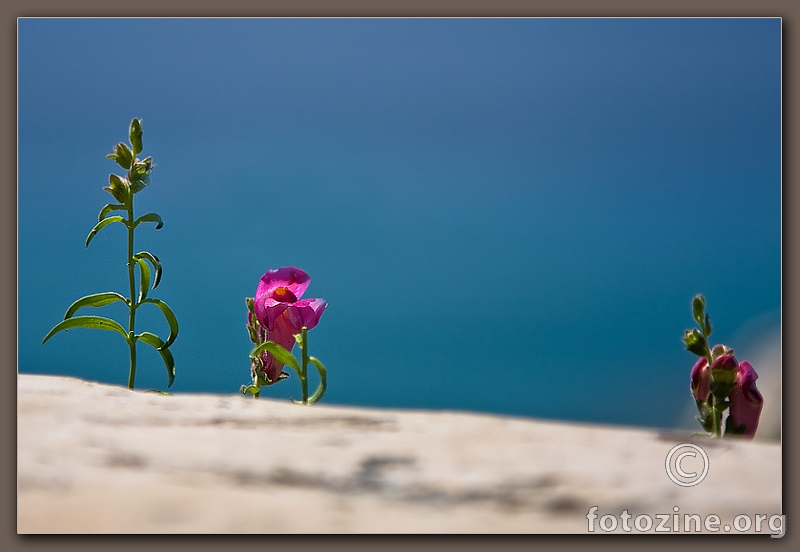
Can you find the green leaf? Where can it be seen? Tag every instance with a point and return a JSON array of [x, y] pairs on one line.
[[250, 390], [323, 381], [136, 136], [122, 155], [150, 217], [154, 261], [108, 209], [96, 300], [155, 341], [118, 188], [170, 316], [93, 322], [100, 225], [144, 281], [280, 354]]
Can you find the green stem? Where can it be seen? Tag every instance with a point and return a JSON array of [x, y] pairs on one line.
[[716, 415], [133, 303], [304, 376]]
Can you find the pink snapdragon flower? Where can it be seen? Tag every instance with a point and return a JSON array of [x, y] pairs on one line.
[[746, 401], [281, 312]]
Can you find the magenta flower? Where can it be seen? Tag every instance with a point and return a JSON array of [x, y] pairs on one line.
[[282, 313], [746, 401]]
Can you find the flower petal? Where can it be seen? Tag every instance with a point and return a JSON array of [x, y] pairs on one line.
[[268, 310], [746, 400], [283, 335], [294, 279], [306, 312], [700, 381]]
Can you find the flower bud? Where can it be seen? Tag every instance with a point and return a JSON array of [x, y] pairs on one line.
[[122, 155], [118, 187], [695, 342], [698, 306], [136, 136], [720, 350], [139, 175]]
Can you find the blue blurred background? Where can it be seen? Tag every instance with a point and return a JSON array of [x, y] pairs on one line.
[[505, 215]]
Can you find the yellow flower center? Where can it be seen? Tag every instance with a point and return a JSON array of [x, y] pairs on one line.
[[283, 294]]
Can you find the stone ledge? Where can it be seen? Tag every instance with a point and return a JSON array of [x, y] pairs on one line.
[[96, 458]]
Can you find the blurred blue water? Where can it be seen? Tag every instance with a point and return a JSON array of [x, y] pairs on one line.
[[505, 215]]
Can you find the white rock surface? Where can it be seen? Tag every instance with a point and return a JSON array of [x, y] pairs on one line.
[[95, 458]]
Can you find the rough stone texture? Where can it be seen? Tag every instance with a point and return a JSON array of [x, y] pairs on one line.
[[96, 458]]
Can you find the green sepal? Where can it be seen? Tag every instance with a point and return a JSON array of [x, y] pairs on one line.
[[155, 262], [118, 188], [122, 155], [263, 381], [150, 217], [144, 281], [139, 175], [155, 341], [95, 300], [722, 382], [323, 381], [136, 136], [698, 306], [108, 209], [250, 390], [721, 385], [92, 322], [281, 355], [695, 342], [298, 338], [170, 316]]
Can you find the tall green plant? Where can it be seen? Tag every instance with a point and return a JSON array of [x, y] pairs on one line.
[[123, 189]]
